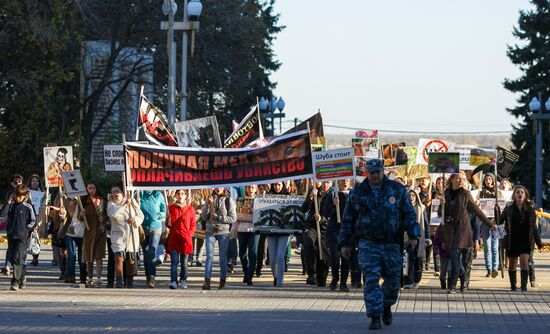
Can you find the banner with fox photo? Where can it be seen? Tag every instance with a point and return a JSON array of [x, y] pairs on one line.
[[153, 125], [150, 167]]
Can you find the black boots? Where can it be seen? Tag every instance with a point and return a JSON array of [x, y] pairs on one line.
[[513, 280], [443, 284], [222, 284], [387, 316], [206, 285], [375, 323], [524, 278]]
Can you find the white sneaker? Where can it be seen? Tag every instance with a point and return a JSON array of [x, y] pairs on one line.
[[173, 285], [408, 286], [184, 284]]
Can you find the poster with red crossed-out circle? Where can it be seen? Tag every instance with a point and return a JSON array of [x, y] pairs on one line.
[[425, 146]]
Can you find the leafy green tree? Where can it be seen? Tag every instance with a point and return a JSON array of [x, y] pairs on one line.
[[532, 56], [39, 75]]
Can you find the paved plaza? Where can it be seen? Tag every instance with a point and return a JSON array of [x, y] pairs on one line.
[[49, 306]]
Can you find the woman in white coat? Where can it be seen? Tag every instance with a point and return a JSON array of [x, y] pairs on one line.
[[125, 217]]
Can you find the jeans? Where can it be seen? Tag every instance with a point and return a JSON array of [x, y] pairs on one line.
[[17, 250], [175, 259], [223, 243], [444, 268], [149, 246], [74, 245], [199, 245], [490, 249], [277, 245], [459, 266], [248, 247]]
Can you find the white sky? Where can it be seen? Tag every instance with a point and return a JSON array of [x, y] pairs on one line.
[[426, 65]]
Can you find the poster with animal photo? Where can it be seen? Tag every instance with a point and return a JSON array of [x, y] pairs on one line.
[[57, 159], [278, 214], [245, 209], [200, 132], [389, 154], [480, 156], [365, 147], [443, 162]]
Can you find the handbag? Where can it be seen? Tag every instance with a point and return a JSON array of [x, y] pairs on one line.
[[33, 247]]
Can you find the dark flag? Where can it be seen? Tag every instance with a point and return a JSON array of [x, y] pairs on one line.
[[248, 133], [153, 125], [315, 126]]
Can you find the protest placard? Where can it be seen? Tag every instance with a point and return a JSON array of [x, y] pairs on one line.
[[199, 132], [443, 162], [435, 219], [506, 160], [425, 146], [113, 158], [367, 146], [36, 197], [278, 214], [333, 165], [480, 156], [464, 151], [74, 184], [57, 159], [390, 154], [287, 157]]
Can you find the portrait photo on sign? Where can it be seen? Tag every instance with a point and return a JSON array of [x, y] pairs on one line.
[[443, 162], [360, 166], [57, 159]]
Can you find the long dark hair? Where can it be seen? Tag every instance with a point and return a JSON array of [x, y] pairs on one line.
[[527, 202], [98, 192]]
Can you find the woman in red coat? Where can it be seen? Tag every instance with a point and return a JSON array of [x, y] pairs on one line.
[[182, 227]]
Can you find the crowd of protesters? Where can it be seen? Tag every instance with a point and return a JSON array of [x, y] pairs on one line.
[[151, 226]]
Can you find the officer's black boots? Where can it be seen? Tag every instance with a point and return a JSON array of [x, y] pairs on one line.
[[375, 323], [387, 316]]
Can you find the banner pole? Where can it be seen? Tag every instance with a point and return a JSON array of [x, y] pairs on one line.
[[317, 225]]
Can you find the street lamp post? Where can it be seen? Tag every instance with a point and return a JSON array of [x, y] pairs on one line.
[[268, 108], [538, 116], [169, 8], [191, 13]]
